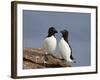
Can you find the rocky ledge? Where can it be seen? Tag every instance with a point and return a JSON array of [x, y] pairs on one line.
[[36, 58]]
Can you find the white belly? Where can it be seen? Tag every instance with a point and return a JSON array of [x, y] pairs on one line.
[[49, 44], [64, 49]]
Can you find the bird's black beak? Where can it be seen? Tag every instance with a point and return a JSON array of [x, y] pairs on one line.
[[56, 31]]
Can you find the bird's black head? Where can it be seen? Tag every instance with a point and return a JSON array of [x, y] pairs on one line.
[[52, 31], [64, 34]]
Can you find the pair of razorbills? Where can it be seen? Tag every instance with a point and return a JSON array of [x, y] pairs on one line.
[[50, 44]]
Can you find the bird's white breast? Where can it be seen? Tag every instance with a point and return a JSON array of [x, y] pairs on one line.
[[64, 49], [49, 44]]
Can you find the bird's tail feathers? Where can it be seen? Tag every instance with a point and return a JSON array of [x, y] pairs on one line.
[[71, 61]]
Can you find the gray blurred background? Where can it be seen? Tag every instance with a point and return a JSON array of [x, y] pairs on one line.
[[36, 24]]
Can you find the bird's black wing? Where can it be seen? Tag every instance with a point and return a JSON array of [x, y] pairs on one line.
[[71, 56]]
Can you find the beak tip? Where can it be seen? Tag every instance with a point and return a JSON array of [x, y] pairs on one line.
[[56, 31]]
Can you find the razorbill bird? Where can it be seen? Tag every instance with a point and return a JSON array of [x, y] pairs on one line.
[[49, 44], [64, 48]]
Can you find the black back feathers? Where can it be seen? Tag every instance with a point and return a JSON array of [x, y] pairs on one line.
[[65, 35]]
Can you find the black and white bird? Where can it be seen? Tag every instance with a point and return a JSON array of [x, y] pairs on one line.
[[50, 42], [64, 48]]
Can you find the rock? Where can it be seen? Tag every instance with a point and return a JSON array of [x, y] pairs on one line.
[[35, 58]]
